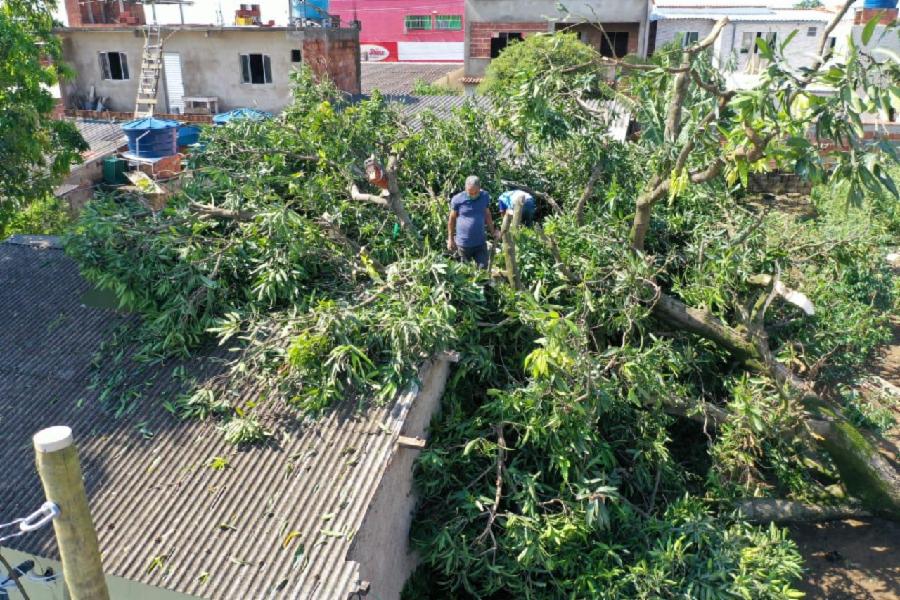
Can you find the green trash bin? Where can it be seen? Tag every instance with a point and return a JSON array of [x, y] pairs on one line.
[[113, 170]]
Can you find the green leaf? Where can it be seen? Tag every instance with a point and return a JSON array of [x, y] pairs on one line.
[[869, 29]]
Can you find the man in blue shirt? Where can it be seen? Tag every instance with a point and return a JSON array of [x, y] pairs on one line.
[[470, 213], [507, 201]]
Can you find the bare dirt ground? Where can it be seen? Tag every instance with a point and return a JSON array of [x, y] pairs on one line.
[[856, 559], [851, 559]]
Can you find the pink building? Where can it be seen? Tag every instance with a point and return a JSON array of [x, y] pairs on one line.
[[406, 30]]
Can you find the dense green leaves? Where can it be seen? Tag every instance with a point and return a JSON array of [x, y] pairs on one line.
[[35, 150], [557, 468]]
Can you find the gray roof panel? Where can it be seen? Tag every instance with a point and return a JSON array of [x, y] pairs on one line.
[[163, 516]]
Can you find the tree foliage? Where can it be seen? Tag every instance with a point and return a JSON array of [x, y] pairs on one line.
[[640, 374], [35, 150]]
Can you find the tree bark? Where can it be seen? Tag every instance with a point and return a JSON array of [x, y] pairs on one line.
[[865, 472], [509, 244], [769, 510], [223, 214], [588, 191]]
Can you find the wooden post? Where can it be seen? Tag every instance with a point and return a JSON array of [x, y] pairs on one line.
[[60, 472]]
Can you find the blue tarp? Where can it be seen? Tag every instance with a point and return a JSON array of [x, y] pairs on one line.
[[241, 113]]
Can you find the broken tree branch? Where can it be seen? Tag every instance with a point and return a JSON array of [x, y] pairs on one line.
[[862, 467], [335, 234], [498, 486], [588, 192], [554, 252], [769, 510], [510, 218], [222, 214]]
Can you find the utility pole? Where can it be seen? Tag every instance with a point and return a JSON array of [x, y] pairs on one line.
[[60, 472]]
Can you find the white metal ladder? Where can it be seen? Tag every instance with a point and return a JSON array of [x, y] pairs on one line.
[[151, 65]]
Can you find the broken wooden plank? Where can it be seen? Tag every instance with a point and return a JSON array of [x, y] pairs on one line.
[[415, 443]]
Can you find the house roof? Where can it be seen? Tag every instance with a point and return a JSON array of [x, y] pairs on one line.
[[735, 11], [103, 137], [400, 78], [279, 521], [411, 107]]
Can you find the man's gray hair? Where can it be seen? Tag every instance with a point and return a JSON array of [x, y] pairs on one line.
[[473, 181]]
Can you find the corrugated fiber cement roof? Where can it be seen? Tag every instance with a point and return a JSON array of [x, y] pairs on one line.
[[165, 517]]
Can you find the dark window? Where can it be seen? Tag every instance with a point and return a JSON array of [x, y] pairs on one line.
[[256, 68], [502, 40], [418, 22], [812, 32], [296, 56], [113, 65], [689, 38], [614, 44]]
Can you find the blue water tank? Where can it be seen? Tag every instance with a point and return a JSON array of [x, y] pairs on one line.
[[238, 114], [880, 4], [314, 10], [188, 135], [151, 138]]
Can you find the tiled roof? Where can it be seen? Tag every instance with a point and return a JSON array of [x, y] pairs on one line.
[[399, 78], [103, 137], [412, 107], [163, 516]]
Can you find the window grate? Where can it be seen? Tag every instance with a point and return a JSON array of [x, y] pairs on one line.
[[448, 22], [418, 22]]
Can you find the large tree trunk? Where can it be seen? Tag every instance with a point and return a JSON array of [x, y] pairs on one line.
[[768, 510], [865, 472]]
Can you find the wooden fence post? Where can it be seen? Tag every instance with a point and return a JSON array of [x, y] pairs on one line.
[[60, 472]]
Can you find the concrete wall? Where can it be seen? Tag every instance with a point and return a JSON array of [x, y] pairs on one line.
[[799, 53], [727, 49], [484, 18], [210, 63], [667, 30], [381, 545]]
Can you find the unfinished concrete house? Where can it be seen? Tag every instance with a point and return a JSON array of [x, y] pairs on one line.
[[319, 512], [614, 27], [123, 64]]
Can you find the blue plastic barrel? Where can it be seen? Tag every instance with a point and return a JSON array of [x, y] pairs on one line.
[[314, 10], [188, 135], [151, 138], [238, 114], [880, 4]]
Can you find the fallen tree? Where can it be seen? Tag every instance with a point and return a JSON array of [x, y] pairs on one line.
[[633, 372]]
